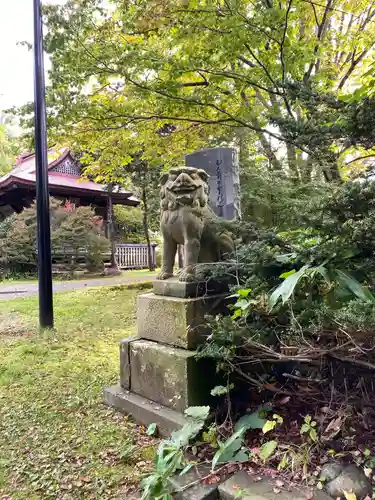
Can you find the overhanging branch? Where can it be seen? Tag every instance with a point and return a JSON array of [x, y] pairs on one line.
[[359, 158]]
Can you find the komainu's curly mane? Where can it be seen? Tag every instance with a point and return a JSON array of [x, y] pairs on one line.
[[187, 220]]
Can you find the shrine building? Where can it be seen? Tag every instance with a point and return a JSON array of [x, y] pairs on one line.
[[18, 187]]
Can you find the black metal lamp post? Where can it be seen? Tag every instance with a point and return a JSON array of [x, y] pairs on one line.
[[42, 194]]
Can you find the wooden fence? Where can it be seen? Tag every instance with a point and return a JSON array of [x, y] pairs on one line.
[[134, 255]]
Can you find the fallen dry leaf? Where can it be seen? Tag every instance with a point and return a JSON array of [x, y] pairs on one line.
[[270, 472], [232, 467], [213, 479], [332, 429]]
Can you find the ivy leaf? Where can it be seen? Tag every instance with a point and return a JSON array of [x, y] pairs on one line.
[[182, 436], [278, 418], [268, 426], [151, 429], [242, 304], [313, 435], [237, 313], [241, 456], [220, 390], [305, 428], [227, 452], [267, 450], [199, 413], [251, 421]]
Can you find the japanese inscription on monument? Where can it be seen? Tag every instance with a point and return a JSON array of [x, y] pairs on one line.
[[222, 167]]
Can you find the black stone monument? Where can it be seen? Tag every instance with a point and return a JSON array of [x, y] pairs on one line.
[[221, 164]]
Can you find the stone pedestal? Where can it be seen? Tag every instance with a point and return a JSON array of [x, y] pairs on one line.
[[174, 288], [176, 321], [159, 374]]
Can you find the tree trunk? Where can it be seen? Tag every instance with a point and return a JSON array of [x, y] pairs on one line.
[[292, 162], [330, 168], [265, 143], [151, 262], [243, 135], [110, 229], [266, 146], [331, 173], [306, 168]]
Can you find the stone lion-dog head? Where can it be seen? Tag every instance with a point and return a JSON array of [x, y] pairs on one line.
[[184, 186]]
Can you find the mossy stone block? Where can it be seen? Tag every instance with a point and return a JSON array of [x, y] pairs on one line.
[[179, 322], [169, 375], [125, 362], [143, 410]]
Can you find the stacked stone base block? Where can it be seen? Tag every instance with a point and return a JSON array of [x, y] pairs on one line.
[[143, 410], [167, 375], [159, 374], [175, 321]]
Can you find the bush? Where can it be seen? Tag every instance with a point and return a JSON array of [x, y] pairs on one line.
[[128, 223], [74, 230], [304, 296], [273, 200]]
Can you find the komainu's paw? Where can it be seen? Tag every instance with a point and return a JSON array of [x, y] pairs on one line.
[[164, 275], [187, 274]]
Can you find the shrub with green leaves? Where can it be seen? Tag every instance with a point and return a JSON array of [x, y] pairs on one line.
[[307, 291], [271, 199], [73, 230]]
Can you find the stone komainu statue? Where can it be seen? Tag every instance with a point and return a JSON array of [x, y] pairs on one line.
[[187, 219]]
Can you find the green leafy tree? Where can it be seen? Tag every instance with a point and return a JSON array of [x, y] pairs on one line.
[[9, 148], [139, 172], [128, 224], [145, 181], [121, 74]]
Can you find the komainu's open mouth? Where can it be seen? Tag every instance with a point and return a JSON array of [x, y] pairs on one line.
[[183, 189]]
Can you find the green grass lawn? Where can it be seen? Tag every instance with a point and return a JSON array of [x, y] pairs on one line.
[[56, 438], [131, 273]]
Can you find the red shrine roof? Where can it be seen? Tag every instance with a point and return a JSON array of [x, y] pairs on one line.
[[64, 176]]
